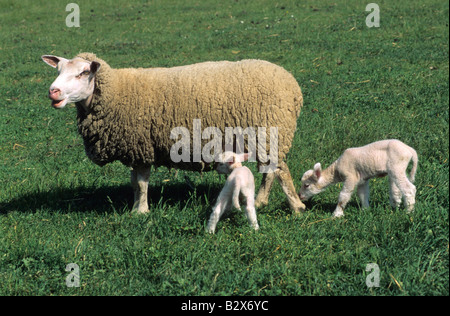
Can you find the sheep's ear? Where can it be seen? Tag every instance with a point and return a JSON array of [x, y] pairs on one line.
[[95, 66], [52, 60], [317, 170]]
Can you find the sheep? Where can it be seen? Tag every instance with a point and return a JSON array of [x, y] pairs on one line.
[[240, 182], [128, 114], [357, 165]]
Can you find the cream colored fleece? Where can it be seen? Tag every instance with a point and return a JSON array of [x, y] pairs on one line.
[[134, 110]]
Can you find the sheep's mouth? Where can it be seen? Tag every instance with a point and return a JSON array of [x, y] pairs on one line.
[[58, 104]]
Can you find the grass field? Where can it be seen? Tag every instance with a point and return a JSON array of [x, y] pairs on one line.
[[360, 84]]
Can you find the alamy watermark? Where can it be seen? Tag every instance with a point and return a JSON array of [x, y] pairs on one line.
[[256, 144], [73, 18], [373, 278], [373, 18], [73, 279]]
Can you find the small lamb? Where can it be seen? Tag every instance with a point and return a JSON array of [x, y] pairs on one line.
[[357, 165], [240, 182]]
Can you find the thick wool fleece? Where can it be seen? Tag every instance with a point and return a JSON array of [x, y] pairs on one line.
[[134, 110]]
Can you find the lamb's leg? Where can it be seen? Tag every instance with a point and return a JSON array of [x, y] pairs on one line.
[[139, 182], [235, 195], [395, 195], [218, 210], [251, 216], [284, 177], [264, 190], [363, 193], [410, 199], [405, 186], [344, 197], [397, 166], [250, 210]]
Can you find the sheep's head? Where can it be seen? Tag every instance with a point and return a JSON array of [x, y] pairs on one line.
[[228, 161], [75, 81], [311, 183]]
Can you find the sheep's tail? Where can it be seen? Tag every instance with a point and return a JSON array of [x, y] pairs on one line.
[[415, 160]]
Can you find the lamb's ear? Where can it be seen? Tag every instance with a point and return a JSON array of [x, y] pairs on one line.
[[317, 170], [244, 157], [52, 60], [95, 66]]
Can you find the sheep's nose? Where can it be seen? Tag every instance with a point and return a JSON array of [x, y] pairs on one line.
[[53, 93]]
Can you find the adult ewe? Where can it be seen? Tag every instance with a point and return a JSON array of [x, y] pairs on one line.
[[129, 114]]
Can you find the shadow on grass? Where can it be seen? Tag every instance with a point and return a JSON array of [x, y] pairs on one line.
[[105, 199], [326, 207]]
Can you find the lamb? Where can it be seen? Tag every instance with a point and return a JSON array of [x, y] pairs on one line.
[[240, 182], [128, 114], [357, 165]]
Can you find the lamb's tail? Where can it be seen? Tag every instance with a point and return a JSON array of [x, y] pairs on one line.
[[415, 160]]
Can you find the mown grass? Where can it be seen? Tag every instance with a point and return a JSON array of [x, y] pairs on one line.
[[359, 84]]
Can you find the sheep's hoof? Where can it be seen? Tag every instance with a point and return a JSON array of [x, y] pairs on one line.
[[299, 209], [261, 203], [338, 214], [140, 211]]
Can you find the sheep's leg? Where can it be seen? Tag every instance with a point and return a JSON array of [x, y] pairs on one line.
[[395, 195], [363, 193], [139, 182], [344, 198], [284, 177], [134, 185], [264, 190]]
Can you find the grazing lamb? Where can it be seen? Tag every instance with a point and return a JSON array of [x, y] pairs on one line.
[[240, 182], [357, 165], [128, 114]]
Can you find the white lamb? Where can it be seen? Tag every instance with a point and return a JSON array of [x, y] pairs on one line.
[[357, 165], [240, 182]]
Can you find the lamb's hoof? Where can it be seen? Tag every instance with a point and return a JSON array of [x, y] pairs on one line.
[[210, 229], [338, 214], [410, 210]]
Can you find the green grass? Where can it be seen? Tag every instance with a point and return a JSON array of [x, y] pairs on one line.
[[359, 84]]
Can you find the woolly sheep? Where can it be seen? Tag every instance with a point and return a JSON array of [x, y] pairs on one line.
[[357, 165], [128, 114], [240, 183]]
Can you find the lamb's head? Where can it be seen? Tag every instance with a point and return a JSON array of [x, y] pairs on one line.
[[311, 183], [228, 161], [75, 81]]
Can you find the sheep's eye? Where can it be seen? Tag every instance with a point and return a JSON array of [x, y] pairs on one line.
[[306, 186], [83, 73]]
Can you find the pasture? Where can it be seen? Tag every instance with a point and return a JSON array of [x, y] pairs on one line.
[[360, 85]]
